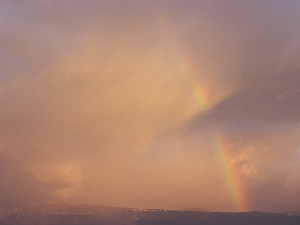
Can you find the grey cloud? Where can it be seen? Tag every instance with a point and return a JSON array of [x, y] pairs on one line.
[[94, 106]]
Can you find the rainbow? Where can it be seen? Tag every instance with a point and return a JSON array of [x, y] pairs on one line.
[[234, 183], [184, 66], [186, 69]]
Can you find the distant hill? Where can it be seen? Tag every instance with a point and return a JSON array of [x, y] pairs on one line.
[[215, 218], [62, 214], [65, 214]]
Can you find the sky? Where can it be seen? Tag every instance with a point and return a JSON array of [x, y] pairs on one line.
[[151, 104]]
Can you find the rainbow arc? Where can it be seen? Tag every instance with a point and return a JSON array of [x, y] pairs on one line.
[[234, 184]]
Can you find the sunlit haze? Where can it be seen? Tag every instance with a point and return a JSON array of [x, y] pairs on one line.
[[151, 104]]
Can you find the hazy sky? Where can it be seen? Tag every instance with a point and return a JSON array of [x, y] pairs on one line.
[[151, 104]]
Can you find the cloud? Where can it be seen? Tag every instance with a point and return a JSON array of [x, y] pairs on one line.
[[119, 102]]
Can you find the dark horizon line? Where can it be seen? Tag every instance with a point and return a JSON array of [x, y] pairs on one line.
[[194, 209]]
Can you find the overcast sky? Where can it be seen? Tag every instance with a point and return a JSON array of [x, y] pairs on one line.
[[151, 104]]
